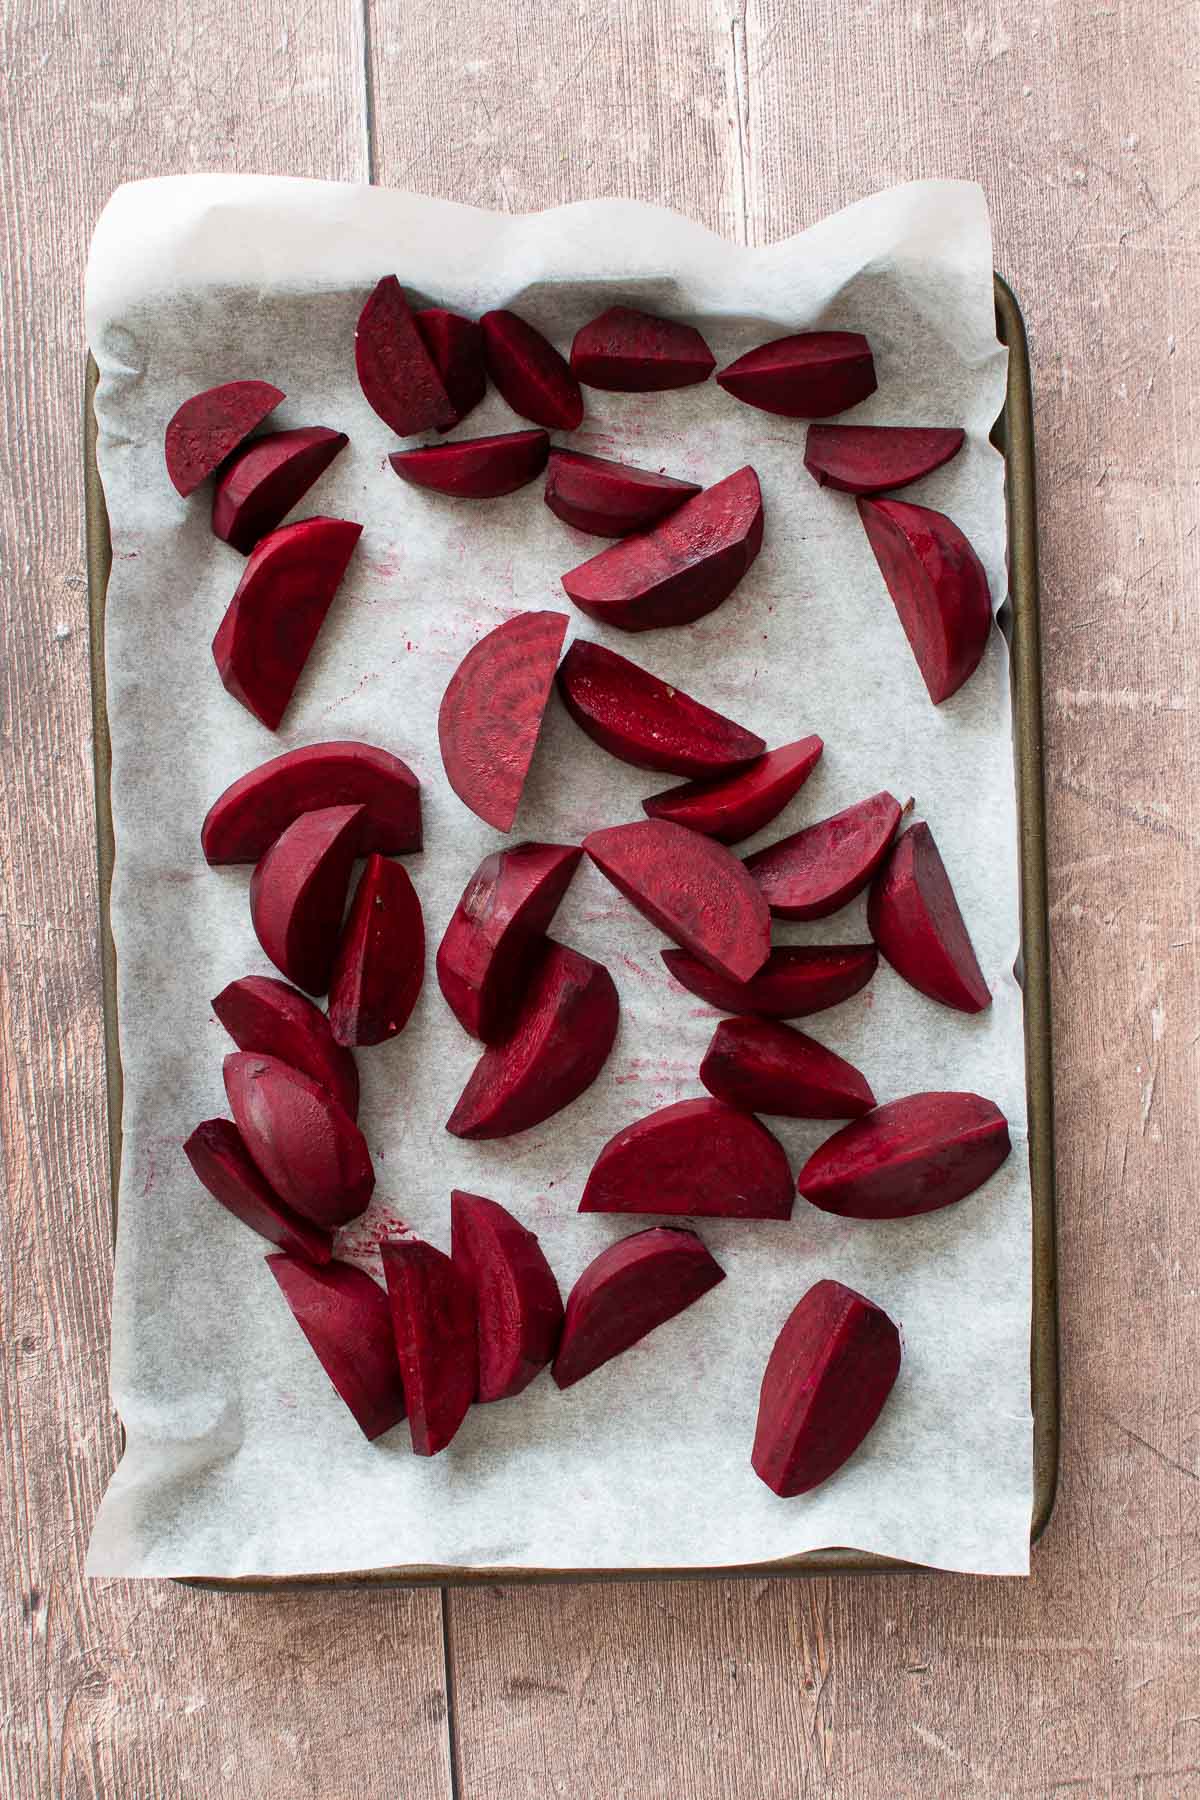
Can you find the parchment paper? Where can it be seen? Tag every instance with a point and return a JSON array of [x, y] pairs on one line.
[[240, 1459]]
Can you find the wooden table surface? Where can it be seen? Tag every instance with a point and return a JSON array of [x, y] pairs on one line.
[[1082, 120]]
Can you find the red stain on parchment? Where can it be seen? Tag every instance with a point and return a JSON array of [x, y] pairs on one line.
[[359, 1242]]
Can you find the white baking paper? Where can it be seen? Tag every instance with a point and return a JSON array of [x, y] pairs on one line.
[[240, 1460]]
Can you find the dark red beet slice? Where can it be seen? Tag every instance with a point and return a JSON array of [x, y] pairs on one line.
[[259, 486], [530, 373], [690, 887], [311, 1152], [826, 1380], [866, 459], [433, 1323], [495, 937], [298, 893], [763, 1066], [647, 722], [263, 1014], [395, 370], [346, 1318], [223, 1164], [938, 587], [632, 352], [815, 871], [806, 376], [380, 960], [209, 425], [742, 804], [794, 981], [626, 1291], [455, 345], [475, 468], [271, 624], [910, 1156], [610, 499], [253, 810], [558, 1044], [491, 713], [914, 918], [699, 1157], [518, 1308], [681, 569]]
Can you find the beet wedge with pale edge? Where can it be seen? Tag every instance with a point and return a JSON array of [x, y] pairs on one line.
[[817, 871], [298, 893], [645, 721], [529, 372], [632, 352], [808, 375], [206, 428], [938, 587], [396, 372], [259, 486], [698, 1157], [868, 459], [433, 1324], [495, 937], [380, 961], [264, 1014], [910, 1156], [247, 818], [795, 980], [491, 713], [222, 1163], [741, 804], [346, 1318], [763, 1066], [610, 499], [915, 920], [518, 1308], [628, 1290], [455, 346], [311, 1152], [475, 468]]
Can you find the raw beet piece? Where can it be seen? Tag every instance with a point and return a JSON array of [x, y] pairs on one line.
[[475, 468], [938, 587], [223, 1164], [259, 485], [253, 810], [395, 370], [626, 1291], [815, 871], [681, 569], [455, 345], [558, 1044], [271, 624], [763, 1066], [742, 804], [311, 1152], [346, 1318], [491, 713], [380, 961], [805, 376], [263, 1014], [298, 893], [495, 936], [518, 1308], [209, 425], [433, 1323], [794, 981], [699, 1157], [530, 373], [632, 352], [910, 1156], [866, 459], [826, 1380], [647, 722], [610, 499], [914, 918]]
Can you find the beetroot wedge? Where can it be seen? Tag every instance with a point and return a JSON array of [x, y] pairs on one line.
[[763, 1066], [938, 586], [910, 1156], [259, 485], [818, 870], [455, 345], [491, 713], [433, 1324], [223, 1164], [808, 375], [495, 937], [610, 499], [647, 722], [263, 1014], [209, 425], [298, 893], [914, 918], [632, 352], [518, 1308], [346, 1318], [626, 1291], [558, 1044], [682, 568], [530, 373], [831, 1370], [271, 624], [795, 980], [251, 813], [867, 459], [396, 372], [311, 1152], [742, 804], [475, 468], [699, 1157], [380, 961]]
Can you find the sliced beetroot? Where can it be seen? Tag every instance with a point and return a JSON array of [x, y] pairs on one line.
[[632, 352], [763, 1066], [557, 1046], [433, 1324], [271, 624], [915, 920], [259, 485], [518, 1308], [910, 1156], [610, 499], [298, 893], [491, 713], [263, 1014], [310, 1150], [808, 375], [682, 568], [495, 937], [818, 870], [475, 468], [253, 810], [346, 1318], [795, 980], [380, 961], [741, 804], [938, 586], [699, 1157], [827, 1378], [626, 1291], [223, 1164], [866, 459], [530, 373], [396, 372], [210, 425], [455, 346], [690, 887], [645, 721]]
